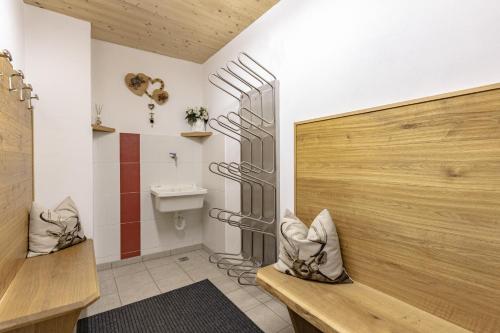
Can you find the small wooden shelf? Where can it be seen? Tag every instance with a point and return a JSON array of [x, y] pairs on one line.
[[100, 128], [196, 134]]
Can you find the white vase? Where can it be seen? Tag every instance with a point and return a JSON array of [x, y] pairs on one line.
[[198, 126]]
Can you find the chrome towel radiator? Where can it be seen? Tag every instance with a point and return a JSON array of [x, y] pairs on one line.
[[254, 126]]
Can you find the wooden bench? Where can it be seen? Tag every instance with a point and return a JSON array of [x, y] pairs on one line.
[[413, 189], [48, 292], [353, 308]]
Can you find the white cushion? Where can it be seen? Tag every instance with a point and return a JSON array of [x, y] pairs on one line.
[[54, 230], [311, 253]]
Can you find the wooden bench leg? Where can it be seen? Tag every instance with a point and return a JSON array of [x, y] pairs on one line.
[[300, 325], [62, 324]]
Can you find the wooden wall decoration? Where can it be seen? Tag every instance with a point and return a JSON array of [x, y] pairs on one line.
[[16, 176], [414, 189], [187, 29], [138, 84]]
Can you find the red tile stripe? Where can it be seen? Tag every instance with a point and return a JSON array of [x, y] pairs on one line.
[[130, 195]]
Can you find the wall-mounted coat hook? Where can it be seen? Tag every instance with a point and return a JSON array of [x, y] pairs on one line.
[[21, 92], [30, 106], [6, 54], [16, 73]]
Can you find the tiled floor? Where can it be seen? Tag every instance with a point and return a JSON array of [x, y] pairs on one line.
[[131, 283]]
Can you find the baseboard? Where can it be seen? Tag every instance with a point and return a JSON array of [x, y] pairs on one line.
[[151, 256]]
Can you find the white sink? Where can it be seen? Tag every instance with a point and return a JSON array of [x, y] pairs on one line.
[[175, 198]]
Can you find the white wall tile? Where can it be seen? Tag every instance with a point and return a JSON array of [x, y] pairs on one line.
[[106, 199], [108, 259], [147, 206], [121, 112], [213, 148], [107, 177], [189, 149], [156, 148], [189, 173], [213, 230], [145, 252], [107, 241], [210, 180], [106, 209], [150, 234], [157, 174], [106, 147], [162, 235], [157, 229]]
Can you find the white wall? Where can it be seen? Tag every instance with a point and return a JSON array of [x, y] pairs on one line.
[[157, 229], [338, 56], [129, 113], [58, 66], [12, 30]]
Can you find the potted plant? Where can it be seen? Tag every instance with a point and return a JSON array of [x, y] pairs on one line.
[[197, 118]]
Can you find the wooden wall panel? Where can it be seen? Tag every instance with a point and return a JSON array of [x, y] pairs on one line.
[[16, 177], [414, 190]]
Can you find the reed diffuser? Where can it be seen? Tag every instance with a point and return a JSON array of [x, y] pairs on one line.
[[98, 111]]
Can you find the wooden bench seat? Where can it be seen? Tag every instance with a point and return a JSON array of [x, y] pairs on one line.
[[348, 308], [48, 292]]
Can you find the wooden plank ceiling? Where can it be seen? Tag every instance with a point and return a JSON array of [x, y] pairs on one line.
[[187, 29]]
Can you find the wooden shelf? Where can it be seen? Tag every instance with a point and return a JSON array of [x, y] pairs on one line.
[[196, 134], [100, 128]]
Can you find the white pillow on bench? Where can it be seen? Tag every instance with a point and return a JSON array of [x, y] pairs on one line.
[[52, 230], [311, 253]]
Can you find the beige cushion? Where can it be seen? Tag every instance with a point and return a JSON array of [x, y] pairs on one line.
[[54, 230], [311, 253]]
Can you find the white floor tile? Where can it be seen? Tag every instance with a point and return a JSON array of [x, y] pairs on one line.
[[159, 262], [268, 321], [179, 281], [224, 284], [165, 271], [243, 300], [138, 293], [280, 309], [133, 281], [204, 273], [288, 329], [105, 303], [128, 269], [107, 287], [105, 274], [258, 293]]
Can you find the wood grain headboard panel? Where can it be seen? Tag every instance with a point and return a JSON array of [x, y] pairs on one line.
[[414, 189], [16, 177]]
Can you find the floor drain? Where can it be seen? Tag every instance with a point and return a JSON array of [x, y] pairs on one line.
[[183, 259]]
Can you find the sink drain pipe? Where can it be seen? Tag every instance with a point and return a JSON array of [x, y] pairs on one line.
[[179, 221]]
